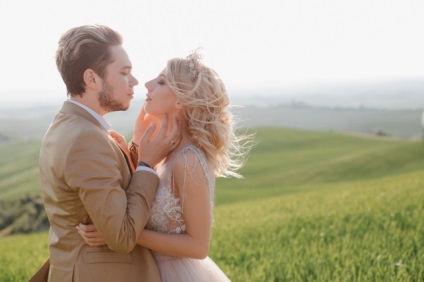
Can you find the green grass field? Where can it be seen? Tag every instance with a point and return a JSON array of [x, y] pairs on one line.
[[314, 206], [19, 173]]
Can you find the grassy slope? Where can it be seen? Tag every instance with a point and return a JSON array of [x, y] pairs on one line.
[[367, 230], [19, 173], [323, 207], [288, 160], [313, 207], [283, 159]]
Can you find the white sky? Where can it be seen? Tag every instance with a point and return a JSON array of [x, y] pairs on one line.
[[252, 44]]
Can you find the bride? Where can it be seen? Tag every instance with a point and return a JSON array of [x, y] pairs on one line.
[[179, 229]]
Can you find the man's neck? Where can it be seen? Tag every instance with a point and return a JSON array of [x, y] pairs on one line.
[[89, 101], [97, 116]]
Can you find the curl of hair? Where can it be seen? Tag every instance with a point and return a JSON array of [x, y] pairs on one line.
[[207, 114]]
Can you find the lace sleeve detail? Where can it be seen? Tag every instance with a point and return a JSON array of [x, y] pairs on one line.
[[166, 214], [192, 157]]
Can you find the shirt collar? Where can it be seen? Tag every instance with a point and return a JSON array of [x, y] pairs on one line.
[[98, 117]]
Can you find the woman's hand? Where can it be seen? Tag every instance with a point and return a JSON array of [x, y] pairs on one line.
[[90, 235]]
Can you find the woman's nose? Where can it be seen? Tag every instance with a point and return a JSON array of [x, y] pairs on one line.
[[147, 85]]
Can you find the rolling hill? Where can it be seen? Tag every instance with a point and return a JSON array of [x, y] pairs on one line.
[[313, 206]]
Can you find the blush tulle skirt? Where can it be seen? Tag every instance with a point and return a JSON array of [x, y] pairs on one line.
[[176, 269]]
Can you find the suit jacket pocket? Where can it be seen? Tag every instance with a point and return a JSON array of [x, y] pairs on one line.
[[105, 255]]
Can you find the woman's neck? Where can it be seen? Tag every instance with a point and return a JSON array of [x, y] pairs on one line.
[[185, 136], [185, 140]]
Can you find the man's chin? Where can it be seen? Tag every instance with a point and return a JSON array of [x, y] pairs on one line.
[[123, 109], [116, 108]]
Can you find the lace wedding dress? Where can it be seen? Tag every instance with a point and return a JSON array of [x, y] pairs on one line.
[[167, 216]]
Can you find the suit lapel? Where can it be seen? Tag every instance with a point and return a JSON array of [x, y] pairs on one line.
[[70, 108]]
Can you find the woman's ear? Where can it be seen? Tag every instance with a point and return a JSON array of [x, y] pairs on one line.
[[178, 105], [91, 79]]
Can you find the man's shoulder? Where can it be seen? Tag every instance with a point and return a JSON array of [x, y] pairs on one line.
[[73, 113]]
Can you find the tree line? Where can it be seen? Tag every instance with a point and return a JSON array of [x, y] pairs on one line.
[[25, 215]]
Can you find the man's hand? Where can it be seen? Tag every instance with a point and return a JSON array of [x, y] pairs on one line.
[[153, 144], [142, 123], [153, 149]]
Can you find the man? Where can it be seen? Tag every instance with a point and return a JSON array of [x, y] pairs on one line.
[[85, 176]]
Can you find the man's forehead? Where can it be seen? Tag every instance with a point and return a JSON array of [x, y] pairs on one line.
[[120, 57]]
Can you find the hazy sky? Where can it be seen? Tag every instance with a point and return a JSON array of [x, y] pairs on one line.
[[252, 44]]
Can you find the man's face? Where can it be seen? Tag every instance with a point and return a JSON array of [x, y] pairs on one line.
[[117, 91]]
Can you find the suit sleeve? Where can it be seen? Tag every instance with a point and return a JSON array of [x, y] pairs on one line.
[[94, 172]]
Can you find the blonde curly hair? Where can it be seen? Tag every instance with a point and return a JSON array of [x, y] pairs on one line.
[[207, 113]]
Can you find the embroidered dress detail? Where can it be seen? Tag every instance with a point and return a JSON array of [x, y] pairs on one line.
[[167, 216], [167, 212]]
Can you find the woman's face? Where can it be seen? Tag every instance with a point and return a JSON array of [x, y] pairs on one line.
[[160, 99]]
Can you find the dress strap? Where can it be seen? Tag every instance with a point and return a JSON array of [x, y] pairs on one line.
[[188, 167]]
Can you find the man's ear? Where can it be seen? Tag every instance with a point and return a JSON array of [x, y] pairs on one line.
[[91, 79]]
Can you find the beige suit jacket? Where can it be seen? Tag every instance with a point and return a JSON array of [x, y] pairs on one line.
[[85, 178]]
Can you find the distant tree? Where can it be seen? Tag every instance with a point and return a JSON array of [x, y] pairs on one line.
[[25, 215]]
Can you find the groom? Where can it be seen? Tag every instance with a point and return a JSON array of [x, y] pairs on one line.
[[85, 176]]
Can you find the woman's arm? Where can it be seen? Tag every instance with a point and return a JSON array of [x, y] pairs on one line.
[[193, 191]]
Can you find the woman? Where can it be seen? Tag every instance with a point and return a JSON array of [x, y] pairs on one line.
[[179, 229]]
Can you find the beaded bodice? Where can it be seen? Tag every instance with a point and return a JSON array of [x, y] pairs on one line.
[[166, 214]]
